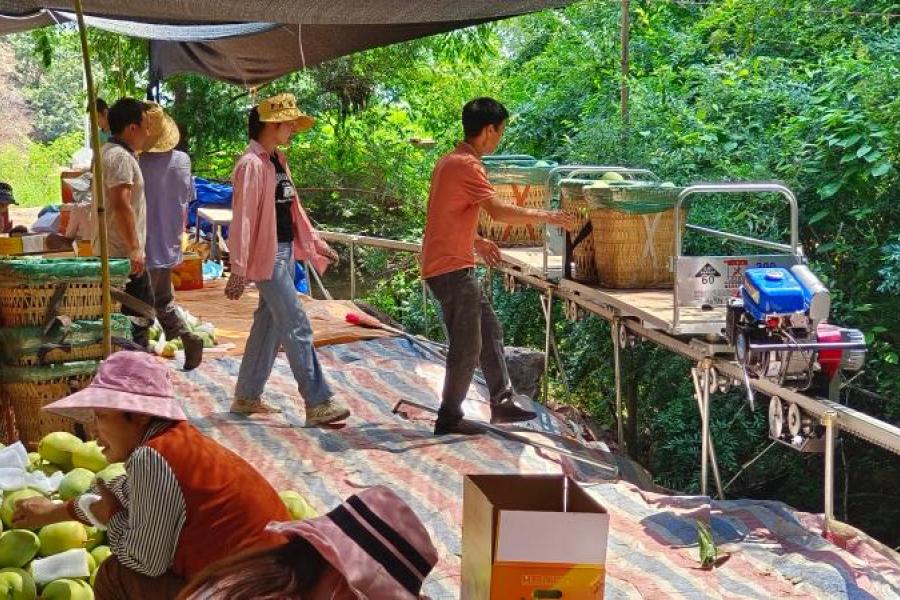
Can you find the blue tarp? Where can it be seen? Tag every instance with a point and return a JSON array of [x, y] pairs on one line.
[[209, 194]]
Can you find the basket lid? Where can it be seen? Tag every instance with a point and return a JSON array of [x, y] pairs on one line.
[[524, 171], [633, 197], [36, 270]]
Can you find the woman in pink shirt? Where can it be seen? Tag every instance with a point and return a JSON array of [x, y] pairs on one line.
[[269, 231]]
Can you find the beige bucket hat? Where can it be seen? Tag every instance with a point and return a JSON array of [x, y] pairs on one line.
[[163, 132], [283, 108]]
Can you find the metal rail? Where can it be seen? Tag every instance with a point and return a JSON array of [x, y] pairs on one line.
[[833, 415], [846, 419]]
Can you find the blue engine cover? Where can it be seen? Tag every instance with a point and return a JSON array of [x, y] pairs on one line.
[[772, 291]]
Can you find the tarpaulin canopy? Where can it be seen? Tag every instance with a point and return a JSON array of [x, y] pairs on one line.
[[251, 42]]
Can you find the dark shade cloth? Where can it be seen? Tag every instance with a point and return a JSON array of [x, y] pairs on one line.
[[259, 51]]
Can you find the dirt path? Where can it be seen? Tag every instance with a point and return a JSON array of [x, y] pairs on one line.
[[15, 126]]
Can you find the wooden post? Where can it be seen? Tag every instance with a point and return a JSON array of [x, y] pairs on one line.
[[99, 191], [623, 95]]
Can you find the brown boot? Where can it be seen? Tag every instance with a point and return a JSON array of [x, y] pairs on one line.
[[193, 350]]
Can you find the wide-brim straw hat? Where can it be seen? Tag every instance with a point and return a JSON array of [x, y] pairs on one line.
[[163, 134], [135, 382], [375, 541], [282, 109]]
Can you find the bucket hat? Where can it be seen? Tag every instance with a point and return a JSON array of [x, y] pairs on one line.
[[6, 194], [127, 381], [163, 132], [283, 108], [375, 541]]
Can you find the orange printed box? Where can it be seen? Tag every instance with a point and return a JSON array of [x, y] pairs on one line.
[[189, 274], [532, 537]]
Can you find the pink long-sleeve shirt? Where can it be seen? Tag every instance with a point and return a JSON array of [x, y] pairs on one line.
[[252, 239]]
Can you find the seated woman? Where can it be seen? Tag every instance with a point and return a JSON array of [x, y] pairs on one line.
[[371, 547], [184, 503]]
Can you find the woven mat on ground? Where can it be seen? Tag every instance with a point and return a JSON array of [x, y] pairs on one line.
[[775, 552], [233, 318]]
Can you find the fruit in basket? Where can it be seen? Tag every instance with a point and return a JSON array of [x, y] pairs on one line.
[[612, 176], [90, 456], [95, 538], [57, 448], [16, 584], [111, 472], [297, 505], [67, 589], [75, 483], [34, 461], [10, 500], [100, 553], [667, 184], [17, 548], [59, 537]]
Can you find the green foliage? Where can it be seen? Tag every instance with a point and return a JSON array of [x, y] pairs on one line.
[[33, 172]]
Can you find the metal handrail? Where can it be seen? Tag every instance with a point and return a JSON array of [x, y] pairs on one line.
[[741, 188], [732, 188]]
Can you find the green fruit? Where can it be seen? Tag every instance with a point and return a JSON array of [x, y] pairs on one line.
[[95, 538], [9, 503], [59, 537], [168, 350], [111, 472], [17, 548], [16, 584], [90, 456], [57, 447], [667, 184], [92, 563], [297, 505], [34, 461], [101, 553], [75, 483], [67, 589], [612, 176]]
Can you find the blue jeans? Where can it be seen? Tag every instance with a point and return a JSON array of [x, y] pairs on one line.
[[280, 320]]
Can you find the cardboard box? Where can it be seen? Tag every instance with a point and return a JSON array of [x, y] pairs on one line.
[[189, 274], [532, 537]]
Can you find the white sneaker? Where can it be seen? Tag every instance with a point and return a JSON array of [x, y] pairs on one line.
[[330, 411]]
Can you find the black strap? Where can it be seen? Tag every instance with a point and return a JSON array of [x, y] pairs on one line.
[[353, 529], [572, 244], [408, 551]]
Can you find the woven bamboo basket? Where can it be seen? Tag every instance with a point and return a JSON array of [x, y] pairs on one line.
[[633, 248], [25, 305], [81, 340], [572, 201], [28, 397], [518, 183]]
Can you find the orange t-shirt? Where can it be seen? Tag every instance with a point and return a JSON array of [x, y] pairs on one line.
[[459, 185]]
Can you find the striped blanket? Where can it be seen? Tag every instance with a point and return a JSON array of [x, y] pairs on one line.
[[773, 551]]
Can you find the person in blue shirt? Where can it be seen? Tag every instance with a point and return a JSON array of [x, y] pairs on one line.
[[169, 189]]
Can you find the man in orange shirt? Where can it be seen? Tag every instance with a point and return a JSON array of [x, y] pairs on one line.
[[459, 190]]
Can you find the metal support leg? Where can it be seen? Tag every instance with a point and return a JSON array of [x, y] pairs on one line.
[[711, 447], [830, 435], [617, 365], [704, 434], [353, 270], [548, 318], [557, 357]]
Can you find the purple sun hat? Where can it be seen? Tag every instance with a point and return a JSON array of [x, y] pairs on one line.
[[127, 381]]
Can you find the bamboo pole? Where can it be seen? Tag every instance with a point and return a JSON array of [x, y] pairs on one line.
[[99, 191]]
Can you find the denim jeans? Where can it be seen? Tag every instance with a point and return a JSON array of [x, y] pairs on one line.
[[280, 320], [475, 337]]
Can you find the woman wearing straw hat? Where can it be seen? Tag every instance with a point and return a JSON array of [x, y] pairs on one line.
[[181, 490], [371, 547], [168, 189], [269, 231]]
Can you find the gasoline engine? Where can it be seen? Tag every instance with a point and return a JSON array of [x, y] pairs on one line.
[[779, 330]]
